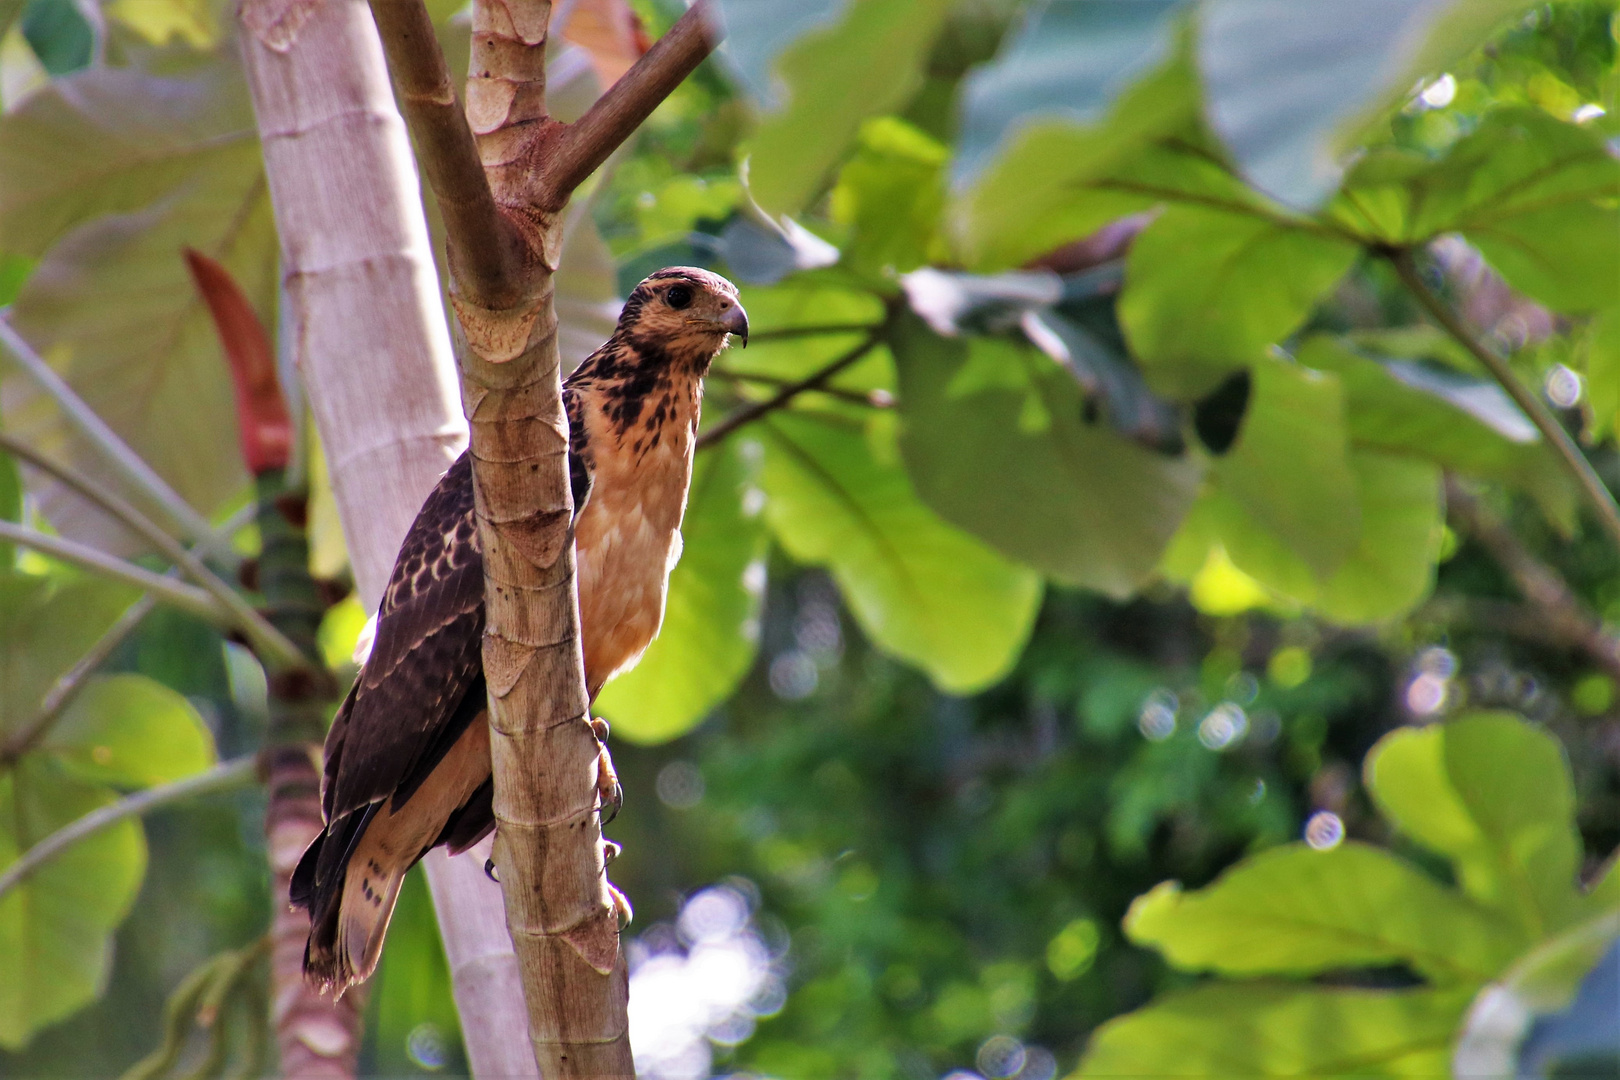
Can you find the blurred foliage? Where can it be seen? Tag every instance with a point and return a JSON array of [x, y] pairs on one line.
[[1005, 669]]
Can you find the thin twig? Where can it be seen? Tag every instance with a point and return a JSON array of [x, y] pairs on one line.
[[118, 453], [785, 333], [875, 399], [1561, 613], [749, 413], [483, 247], [65, 689], [271, 644], [587, 142], [187, 598], [239, 772], [1597, 494]]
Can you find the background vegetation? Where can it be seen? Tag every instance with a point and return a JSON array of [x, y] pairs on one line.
[[1154, 513]]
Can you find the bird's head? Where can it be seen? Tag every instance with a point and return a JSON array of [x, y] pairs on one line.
[[683, 313]]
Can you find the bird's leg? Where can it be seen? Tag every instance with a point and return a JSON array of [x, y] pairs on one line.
[[610, 796]]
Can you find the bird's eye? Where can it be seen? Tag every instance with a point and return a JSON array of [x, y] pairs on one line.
[[679, 296]]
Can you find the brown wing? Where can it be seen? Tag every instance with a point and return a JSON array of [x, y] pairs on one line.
[[396, 721]]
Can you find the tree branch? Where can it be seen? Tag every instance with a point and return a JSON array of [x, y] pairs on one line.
[[118, 453], [223, 777], [1561, 612], [749, 413], [874, 399], [484, 250], [188, 598], [1586, 478], [785, 333], [583, 145], [65, 689], [273, 647]]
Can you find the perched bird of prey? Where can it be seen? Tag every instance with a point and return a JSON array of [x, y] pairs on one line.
[[407, 759]]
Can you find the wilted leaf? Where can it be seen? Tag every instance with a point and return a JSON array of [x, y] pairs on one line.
[[711, 621], [1207, 291], [55, 928], [1492, 793], [835, 76], [837, 497], [995, 438], [1296, 911], [1256, 1030], [130, 731], [1339, 62]]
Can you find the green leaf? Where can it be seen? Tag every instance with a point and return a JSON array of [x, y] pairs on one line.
[[1279, 1029], [44, 628], [1602, 368], [920, 589], [1342, 63], [711, 621], [891, 193], [994, 436], [1390, 570], [1207, 291], [1492, 793], [11, 506], [1289, 468], [112, 140], [113, 309], [1296, 911], [869, 62], [55, 928], [1533, 193], [131, 731], [1057, 180]]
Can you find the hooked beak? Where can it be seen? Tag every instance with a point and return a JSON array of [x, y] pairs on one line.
[[735, 320]]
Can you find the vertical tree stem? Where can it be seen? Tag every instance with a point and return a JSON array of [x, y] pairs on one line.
[[1586, 478]]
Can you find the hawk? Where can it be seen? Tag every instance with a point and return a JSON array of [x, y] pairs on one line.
[[407, 759]]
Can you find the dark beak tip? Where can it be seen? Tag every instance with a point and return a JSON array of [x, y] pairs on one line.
[[736, 323]]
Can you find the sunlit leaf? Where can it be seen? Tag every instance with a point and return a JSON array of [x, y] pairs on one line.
[[1296, 911], [834, 76], [130, 731], [55, 928], [1492, 793], [711, 621], [194, 22], [994, 436], [1207, 291], [891, 193], [1281, 1029], [836, 496]]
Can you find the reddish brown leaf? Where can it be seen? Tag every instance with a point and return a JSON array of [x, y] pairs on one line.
[[611, 33], [263, 426]]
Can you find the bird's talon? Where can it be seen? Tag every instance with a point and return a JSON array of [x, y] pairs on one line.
[[610, 851], [489, 871]]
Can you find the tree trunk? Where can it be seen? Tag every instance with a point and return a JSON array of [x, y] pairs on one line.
[[374, 352]]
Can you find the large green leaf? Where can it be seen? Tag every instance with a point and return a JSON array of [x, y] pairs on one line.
[[711, 621], [1290, 468], [1289, 86], [1390, 570], [995, 437], [1493, 794], [112, 140], [1056, 177], [1460, 422], [112, 308], [836, 496], [11, 504], [868, 62], [45, 626], [1533, 193], [131, 731], [1296, 911], [55, 928], [1253, 1030], [1208, 290]]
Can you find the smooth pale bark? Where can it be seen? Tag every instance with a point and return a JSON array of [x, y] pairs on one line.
[[374, 353]]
